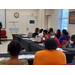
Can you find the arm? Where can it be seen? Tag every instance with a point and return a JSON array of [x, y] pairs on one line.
[[66, 44], [61, 39], [69, 49]]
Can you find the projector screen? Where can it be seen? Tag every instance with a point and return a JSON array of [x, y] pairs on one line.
[[2, 17]]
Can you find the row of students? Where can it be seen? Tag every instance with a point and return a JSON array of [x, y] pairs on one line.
[[49, 56]]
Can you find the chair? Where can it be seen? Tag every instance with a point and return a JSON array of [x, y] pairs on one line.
[[63, 43], [68, 38], [68, 64], [3, 34]]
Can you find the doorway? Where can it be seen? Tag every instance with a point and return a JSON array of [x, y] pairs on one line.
[[31, 24]]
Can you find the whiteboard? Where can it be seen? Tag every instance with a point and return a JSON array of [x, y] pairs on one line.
[[2, 17]]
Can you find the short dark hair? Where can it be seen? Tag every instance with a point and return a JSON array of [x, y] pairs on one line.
[[45, 31], [37, 29], [50, 44], [51, 29], [52, 32], [73, 37], [65, 31], [14, 48]]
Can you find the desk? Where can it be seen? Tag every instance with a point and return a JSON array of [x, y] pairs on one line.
[[36, 47], [30, 61], [31, 46]]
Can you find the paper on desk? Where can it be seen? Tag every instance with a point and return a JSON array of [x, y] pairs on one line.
[[60, 49], [42, 44], [25, 56], [2, 58]]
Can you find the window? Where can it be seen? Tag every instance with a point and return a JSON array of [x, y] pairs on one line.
[[63, 19]]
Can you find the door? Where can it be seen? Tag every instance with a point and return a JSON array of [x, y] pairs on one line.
[[31, 23]]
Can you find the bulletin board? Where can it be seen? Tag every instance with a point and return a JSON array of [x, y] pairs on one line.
[[3, 17], [72, 17]]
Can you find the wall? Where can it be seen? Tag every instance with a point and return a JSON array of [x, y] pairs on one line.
[[54, 19], [21, 20], [71, 27]]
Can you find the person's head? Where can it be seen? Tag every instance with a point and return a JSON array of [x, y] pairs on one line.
[[52, 34], [40, 30], [50, 29], [58, 31], [45, 32], [50, 44], [14, 48], [36, 29], [64, 31], [73, 38]]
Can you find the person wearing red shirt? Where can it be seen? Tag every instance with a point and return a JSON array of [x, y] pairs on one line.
[[45, 36], [52, 34]]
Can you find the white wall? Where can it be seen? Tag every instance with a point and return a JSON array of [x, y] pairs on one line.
[[21, 20], [54, 19], [71, 27]]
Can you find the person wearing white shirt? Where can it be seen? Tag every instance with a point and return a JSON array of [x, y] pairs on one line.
[[40, 33]]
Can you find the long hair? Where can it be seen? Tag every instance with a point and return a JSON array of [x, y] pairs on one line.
[[59, 32], [65, 32]]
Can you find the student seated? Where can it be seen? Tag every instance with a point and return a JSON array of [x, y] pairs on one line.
[[45, 35], [35, 33], [50, 30], [70, 46], [63, 36], [52, 34], [58, 33], [49, 56], [40, 33], [14, 48]]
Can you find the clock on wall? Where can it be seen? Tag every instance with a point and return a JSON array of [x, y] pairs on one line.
[[16, 14]]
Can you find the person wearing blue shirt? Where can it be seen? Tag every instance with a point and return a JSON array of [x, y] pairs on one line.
[[0, 24], [35, 33]]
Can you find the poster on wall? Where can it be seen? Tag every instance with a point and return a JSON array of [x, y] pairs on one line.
[[72, 17], [2, 17]]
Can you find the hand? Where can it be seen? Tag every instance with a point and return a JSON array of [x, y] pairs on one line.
[[63, 48], [46, 36]]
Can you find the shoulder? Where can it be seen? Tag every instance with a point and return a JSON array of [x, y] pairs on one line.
[[2, 62], [61, 53], [39, 52], [24, 62]]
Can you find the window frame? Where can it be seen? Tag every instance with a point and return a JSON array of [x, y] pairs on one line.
[[61, 18]]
